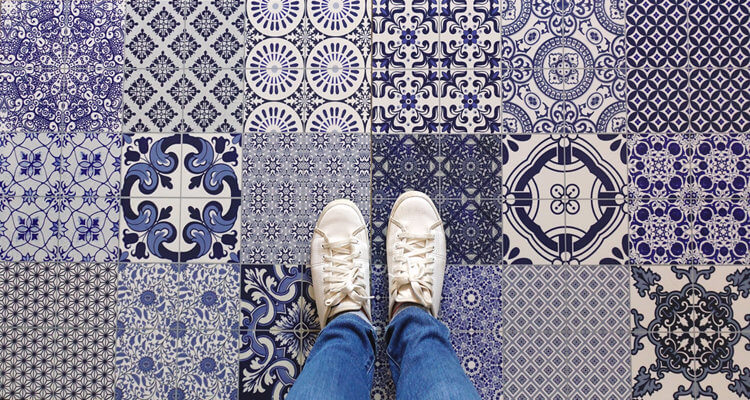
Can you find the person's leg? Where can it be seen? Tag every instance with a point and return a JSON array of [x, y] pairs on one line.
[[423, 363], [340, 365]]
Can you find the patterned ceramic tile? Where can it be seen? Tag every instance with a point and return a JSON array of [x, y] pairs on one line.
[[406, 34], [205, 365], [598, 100], [683, 317], [660, 231], [472, 230], [480, 355], [722, 232], [288, 179], [470, 35], [719, 34], [597, 33], [657, 33], [470, 101], [271, 351], [153, 98], [143, 365], [46, 295], [56, 363], [153, 33], [28, 164], [721, 165], [88, 229], [216, 29], [661, 165], [408, 162], [405, 101], [556, 321], [90, 164], [150, 229], [719, 100], [470, 166], [143, 301], [29, 228], [529, 98], [534, 230], [472, 298], [658, 101], [214, 99]]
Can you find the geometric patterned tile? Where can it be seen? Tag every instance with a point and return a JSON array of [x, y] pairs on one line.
[[722, 232], [658, 101], [472, 298], [89, 229], [28, 164], [687, 331], [214, 99], [470, 36], [215, 34], [480, 355], [535, 231], [598, 97], [287, 179], [661, 165], [28, 228], [657, 33], [154, 97], [405, 101], [472, 230], [561, 325], [719, 34], [470, 101], [660, 231], [90, 164], [53, 363], [719, 100], [722, 165], [153, 32]]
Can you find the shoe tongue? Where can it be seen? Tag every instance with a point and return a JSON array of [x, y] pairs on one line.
[[347, 304], [406, 294]]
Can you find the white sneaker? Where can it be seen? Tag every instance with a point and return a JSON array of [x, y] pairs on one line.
[[340, 261], [415, 243]]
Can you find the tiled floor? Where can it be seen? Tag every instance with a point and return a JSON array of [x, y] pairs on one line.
[[162, 163]]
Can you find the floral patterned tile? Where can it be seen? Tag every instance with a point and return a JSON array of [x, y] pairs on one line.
[[28, 228], [153, 33], [472, 298], [214, 99], [470, 101], [90, 164], [661, 165], [405, 101], [406, 35], [722, 232], [28, 164], [216, 33], [89, 229], [721, 166], [661, 232]]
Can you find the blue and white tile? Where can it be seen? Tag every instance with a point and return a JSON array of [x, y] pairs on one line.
[[338, 28], [210, 230], [598, 101], [554, 321], [268, 364], [722, 232], [470, 166], [470, 35], [90, 164], [153, 32], [57, 363], [718, 34], [535, 230], [595, 33], [473, 231], [406, 34], [89, 229], [406, 101], [480, 355], [270, 297], [657, 34], [531, 99], [151, 165], [661, 231], [719, 100], [144, 365], [29, 229], [472, 298], [208, 297], [28, 164], [33, 101], [153, 99], [205, 365], [214, 100], [150, 228], [659, 101], [145, 299], [668, 304], [65, 295], [216, 31], [288, 179], [470, 101], [408, 162], [210, 166], [87, 33], [662, 165], [533, 34], [722, 165], [92, 99]]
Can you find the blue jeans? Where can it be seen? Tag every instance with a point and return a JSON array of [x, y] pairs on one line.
[[422, 360]]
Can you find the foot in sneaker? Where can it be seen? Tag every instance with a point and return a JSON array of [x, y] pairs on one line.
[[340, 261], [415, 244]]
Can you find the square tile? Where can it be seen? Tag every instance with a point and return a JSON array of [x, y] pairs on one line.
[[34, 98], [29, 229], [380, 211], [153, 32], [210, 230], [660, 231], [288, 179], [405, 162], [216, 33], [270, 297], [470, 166], [152, 162], [214, 100], [657, 34], [721, 165], [543, 46], [597, 166], [470, 101], [659, 101], [529, 99], [208, 297], [146, 297], [718, 34], [93, 97], [90, 164], [719, 100], [595, 34], [263, 353], [669, 310], [28, 164], [472, 298], [534, 230], [480, 355], [69, 363], [89, 229], [661, 165], [406, 35], [205, 365], [470, 35], [150, 229], [350, 20], [210, 166], [144, 364], [722, 232], [598, 97], [472, 230], [406, 101], [153, 99]]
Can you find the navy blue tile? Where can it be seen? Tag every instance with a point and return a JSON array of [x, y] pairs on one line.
[[719, 33], [473, 231], [658, 101], [719, 100], [472, 298], [470, 166], [657, 33], [405, 162]]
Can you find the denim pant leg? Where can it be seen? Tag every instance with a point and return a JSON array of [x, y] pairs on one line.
[[423, 363], [340, 365]]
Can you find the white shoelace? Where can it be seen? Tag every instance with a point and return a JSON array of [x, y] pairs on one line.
[[415, 265], [344, 277]]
